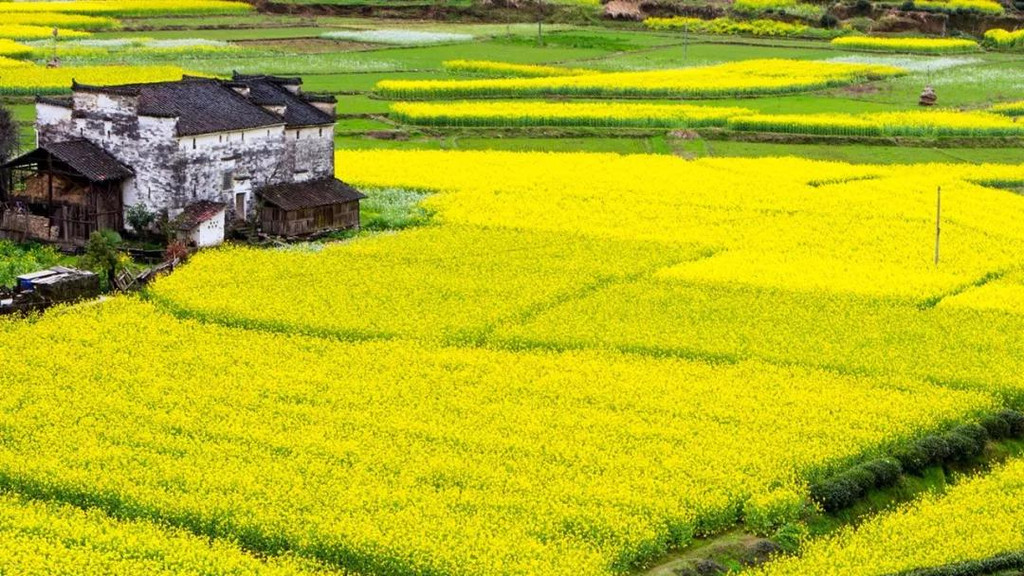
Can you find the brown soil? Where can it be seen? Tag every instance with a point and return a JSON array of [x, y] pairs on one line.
[[861, 89]]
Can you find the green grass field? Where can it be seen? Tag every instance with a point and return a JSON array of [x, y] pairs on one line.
[[291, 45]]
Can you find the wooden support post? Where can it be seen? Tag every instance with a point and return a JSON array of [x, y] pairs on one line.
[[938, 222]]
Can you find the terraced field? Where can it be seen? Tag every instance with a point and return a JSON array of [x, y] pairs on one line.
[[624, 292]]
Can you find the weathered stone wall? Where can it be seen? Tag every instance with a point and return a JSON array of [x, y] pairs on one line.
[[219, 167], [311, 153]]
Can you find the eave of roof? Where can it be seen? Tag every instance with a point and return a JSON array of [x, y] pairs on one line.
[[310, 194], [87, 159]]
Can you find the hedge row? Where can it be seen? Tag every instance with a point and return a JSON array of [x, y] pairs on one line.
[[961, 444], [1005, 561]]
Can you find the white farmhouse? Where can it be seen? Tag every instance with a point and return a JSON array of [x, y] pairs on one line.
[[201, 151]]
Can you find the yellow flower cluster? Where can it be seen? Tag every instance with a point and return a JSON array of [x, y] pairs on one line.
[[1005, 293], [906, 45], [727, 26], [919, 123], [128, 8], [787, 260], [397, 457], [527, 113], [60, 19], [982, 6], [503, 272], [489, 68], [782, 235], [974, 520], [744, 78], [41, 80], [754, 6], [1009, 108], [29, 32], [6, 63], [11, 49], [999, 38], [41, 539]]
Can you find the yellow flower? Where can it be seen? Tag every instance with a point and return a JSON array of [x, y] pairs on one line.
[[908, 45]]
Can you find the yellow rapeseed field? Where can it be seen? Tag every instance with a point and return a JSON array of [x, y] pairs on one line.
[[771, 219], [999, 38], [30, 32], [727, 26], [974, 520], [42, 80], [11, 49], [1009, 108], [43, 539], [926, 123], [906, 45], [530, 113], [490, 68], [786, 260], [59, 19], [982, 6], [438, 270], [743, 78], [397, 457], [127, 8]]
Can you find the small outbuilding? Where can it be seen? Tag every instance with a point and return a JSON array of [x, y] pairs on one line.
[[300, 209], [70, 190], [201, 224]]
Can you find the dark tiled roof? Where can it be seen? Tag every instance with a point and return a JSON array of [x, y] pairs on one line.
[[300, 195], [201, 105], [63, 102], [282, 80], [82, 156], [204, 105], [198, 212], [271, 91]]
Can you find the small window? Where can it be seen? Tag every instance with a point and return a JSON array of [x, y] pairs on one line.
[[220, 138], [297, 134], [321, 132], [243, 136], [229, 180], [193, 143]]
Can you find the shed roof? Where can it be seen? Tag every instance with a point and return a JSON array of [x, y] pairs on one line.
[[199, 212], [312, 194], [87, 159]]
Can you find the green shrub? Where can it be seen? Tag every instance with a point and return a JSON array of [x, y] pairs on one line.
[[764, 513], [17, 259], [887, 471], [791, 536], [997, 425]]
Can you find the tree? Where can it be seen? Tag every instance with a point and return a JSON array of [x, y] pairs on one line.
[[139, 217], [9, 135], [102, 256]]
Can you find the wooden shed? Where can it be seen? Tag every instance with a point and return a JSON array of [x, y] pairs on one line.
[[64, 192], [302, 208]]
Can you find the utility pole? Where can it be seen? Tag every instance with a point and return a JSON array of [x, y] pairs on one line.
[[938, 222]]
